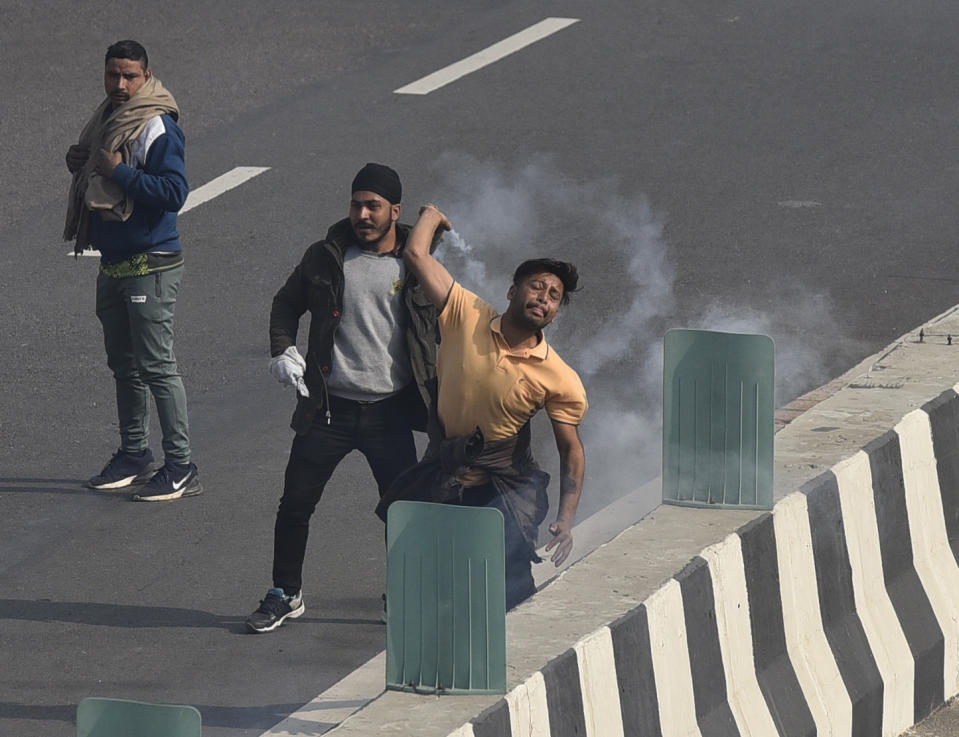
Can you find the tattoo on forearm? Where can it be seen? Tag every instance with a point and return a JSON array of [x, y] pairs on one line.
[[567, 483]]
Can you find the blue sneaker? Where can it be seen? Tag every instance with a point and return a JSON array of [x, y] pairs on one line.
[[173, 481], [124, 469], [275, 608]]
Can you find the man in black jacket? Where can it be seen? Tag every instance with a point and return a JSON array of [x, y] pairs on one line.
[[361, 385]]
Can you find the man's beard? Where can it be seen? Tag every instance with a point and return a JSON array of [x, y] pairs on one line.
[[531, 322], [364, 240]]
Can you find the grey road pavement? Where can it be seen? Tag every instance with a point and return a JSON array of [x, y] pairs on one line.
[[758, 166]]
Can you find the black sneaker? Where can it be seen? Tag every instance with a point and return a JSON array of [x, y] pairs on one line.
[[170, 482], [124, 469], [274, 609]]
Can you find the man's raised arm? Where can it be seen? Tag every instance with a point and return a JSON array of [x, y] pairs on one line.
[[435, 280]]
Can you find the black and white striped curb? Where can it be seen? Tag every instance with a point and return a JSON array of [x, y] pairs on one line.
[[835, 614]]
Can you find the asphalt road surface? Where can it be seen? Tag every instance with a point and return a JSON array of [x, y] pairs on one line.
[[759, 166]]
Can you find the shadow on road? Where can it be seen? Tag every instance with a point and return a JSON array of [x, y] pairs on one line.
[[125, 615], [237, 717], [45, 486]]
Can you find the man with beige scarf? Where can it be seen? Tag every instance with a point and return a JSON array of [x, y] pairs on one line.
[[129, 182]]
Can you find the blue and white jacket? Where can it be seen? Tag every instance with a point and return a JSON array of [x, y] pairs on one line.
[[155, 179]]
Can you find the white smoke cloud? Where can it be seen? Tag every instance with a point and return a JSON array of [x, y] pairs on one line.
[[612, 334], [803, 318], [502, 217]]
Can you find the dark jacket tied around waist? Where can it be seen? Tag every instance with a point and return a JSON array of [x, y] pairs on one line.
[[509, 463]]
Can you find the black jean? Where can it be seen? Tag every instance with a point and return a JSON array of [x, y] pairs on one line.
[[379, 430], [519, 570]]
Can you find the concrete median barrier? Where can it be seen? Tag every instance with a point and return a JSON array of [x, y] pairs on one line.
[[835, 614]]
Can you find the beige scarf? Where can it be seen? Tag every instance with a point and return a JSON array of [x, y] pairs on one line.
[[114, 130]]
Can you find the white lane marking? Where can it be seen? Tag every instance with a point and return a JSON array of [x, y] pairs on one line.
[[214, 188], [487, 56], [335, 704], [223, 183]]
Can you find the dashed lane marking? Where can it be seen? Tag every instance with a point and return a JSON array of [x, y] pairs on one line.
[[487, 56], [214, 188], [223, 183]]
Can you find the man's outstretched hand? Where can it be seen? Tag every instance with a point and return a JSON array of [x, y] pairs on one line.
[[562, 532]]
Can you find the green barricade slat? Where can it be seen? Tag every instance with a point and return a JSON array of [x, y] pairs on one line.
[[718, 419], [102, 717], [446, 599]]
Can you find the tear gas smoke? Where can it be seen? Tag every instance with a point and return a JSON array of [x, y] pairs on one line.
[[612, 330]]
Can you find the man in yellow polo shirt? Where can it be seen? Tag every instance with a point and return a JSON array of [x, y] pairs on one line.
[[494, 372]]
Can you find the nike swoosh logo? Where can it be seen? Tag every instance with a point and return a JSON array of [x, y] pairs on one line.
[[177, 485]]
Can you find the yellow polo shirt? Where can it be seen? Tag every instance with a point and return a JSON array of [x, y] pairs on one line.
[[482, 382]]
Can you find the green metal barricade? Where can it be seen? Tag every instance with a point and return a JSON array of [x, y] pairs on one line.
[[99, 717], [445, 599], [718, 415]]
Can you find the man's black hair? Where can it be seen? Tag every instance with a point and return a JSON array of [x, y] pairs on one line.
[[128, 50], [565, 271]]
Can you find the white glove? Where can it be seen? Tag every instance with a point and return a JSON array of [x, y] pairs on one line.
[[288, 368]]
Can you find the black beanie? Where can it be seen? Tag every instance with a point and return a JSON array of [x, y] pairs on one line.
[[381, 180]]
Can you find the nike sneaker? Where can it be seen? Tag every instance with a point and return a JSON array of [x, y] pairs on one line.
[[173, 481]]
